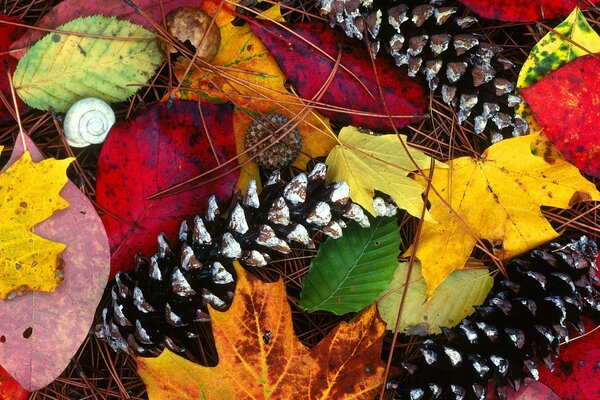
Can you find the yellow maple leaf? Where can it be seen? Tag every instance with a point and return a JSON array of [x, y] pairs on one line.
[[29, 194], [245, 73], [261, 358], [496, 197], [368, 162]]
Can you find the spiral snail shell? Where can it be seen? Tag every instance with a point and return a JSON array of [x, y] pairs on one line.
[[88, 122]]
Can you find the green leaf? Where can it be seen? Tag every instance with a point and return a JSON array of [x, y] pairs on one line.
[[554, 50], [61, 68], [348, 273], [452, 301]]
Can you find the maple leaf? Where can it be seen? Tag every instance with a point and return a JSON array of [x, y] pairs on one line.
[[261, 358], [496, 197], [29, 194], [249, 76], [368, 163]]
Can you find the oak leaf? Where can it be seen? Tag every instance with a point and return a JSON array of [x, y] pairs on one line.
[[29, 193], [261, 358], [369, 162], [495, 197]]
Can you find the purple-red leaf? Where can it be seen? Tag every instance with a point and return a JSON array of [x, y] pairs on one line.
[[157, 150], [41, 331], [8, 34], [566, 104], [68, 10], [523, 11], [308, 69]]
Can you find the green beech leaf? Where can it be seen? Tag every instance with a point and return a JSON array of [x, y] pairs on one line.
[[452, 301], [348, 273], [61, 68]]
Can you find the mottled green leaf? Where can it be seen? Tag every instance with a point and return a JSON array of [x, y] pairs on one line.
[[348, 273], [452, 301], [63, 68], [554, 50]]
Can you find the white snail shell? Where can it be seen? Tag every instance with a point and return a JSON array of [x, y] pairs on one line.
[[88, 122]]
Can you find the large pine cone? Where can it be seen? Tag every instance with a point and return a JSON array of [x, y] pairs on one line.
[[522, 322], [156, 306], [432, 39]]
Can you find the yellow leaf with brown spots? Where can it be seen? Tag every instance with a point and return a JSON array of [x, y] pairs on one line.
[[261, 358], [29, 194], [497, 198]]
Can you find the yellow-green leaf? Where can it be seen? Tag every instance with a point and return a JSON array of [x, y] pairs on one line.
[[29, 194], [369, 162], [63, 68], [572, 38], [445, 308], [496, 197]]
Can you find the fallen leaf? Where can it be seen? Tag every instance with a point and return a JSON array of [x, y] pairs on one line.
[[566, 105], [556, 48], [250, 78], [307, 53], [261, 358], [8, 33], [153, 152], [348, 273], [9, 388], [63, 68], [30, 194], [425, 317], [522, 11], [68, 10], [42, 331], [378, 162], [497, 198], [533, 390], [575, 374]]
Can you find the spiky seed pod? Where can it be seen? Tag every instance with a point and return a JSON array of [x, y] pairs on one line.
[[430, 38], [156, 306], [272, 141], [521, 323]]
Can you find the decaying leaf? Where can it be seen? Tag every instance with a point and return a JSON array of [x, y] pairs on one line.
[[8, 33], [348, 273], [572, 38], [63, 68], [497, 198], [9, 388], [261, 358], [30, 194], [41, 331], [369, 162], [445, 308], [155, 151], [68, 10], [248, 75], [565, 103], [522, 11], [307, 53]]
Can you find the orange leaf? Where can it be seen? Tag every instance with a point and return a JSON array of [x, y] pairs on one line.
[[260, 365]]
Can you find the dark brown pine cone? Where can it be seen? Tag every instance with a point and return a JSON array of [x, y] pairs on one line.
[[432, 39], [520, 324], [156, 306]]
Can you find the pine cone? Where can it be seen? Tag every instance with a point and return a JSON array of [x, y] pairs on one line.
[[522, 321], [469, 73], [157, 305]]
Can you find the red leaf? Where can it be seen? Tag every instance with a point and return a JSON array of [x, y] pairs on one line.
[[59, 320], [523, 11], [153, 152], [67, 10], [8, 34], [533, 390], [566, 104], [576, 369], [9, 388], [308, 69]]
